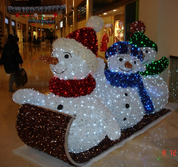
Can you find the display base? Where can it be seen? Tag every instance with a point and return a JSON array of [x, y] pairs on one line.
[[46, 160], [40, 157]]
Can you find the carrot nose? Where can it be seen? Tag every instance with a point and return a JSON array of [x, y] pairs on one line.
[[49, 60], [128, 65]]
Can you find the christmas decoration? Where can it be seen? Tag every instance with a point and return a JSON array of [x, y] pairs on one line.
[[37, 9], [76, 110], [72, 92], [55, 14], [126, 93], [104, 42], [42, 21], [149, 49], [36, 15], [17, 15]]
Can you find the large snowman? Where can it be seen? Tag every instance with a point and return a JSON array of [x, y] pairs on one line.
[[72, 89], [153, 68]]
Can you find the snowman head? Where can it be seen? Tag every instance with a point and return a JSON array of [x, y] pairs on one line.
[[122, 57], [139, 39], [75, 57], [74, 60]]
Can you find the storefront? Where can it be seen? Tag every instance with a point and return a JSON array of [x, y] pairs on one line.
[[116, 26]]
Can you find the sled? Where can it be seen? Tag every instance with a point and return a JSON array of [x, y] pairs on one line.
[[47, 130]]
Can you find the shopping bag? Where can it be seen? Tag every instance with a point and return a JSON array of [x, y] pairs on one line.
[[22, 78]]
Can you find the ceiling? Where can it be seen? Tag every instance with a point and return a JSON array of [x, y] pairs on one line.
[[36, 2]]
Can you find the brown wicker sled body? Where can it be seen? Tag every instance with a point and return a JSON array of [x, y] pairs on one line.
[[47, 131]]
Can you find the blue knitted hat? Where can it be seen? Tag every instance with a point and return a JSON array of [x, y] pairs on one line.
[[124, 47]]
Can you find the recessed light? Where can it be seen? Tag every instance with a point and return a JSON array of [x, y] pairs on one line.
[[105, 13]]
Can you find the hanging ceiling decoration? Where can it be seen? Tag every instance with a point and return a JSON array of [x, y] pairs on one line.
[[35, 9], [42, 21]]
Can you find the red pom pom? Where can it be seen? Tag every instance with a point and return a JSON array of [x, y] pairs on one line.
[[137, 26], [17, 15]]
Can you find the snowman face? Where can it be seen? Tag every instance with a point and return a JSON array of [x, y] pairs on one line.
[[70, 66], [149, 54], [124, 63]]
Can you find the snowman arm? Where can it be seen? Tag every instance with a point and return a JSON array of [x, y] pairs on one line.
[[99, 74], [156, 67], [112, 127], [29, 96]]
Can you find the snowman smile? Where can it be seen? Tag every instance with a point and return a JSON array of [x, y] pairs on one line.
[[125, 70], [146, 61], [58, 72]]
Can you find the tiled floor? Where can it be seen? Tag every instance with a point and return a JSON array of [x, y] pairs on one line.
[[144, 150]]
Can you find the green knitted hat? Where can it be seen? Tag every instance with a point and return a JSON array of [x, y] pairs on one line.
[[138, 37]]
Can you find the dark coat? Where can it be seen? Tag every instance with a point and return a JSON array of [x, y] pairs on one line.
[[11, 57]]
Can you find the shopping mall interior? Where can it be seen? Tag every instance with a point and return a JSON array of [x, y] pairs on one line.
[[39, 24]]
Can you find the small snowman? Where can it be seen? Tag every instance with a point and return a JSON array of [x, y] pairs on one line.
[[155, 85], [122, 89], [72, 88], [149, 49]]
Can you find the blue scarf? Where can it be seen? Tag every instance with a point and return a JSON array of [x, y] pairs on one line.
[[132, 80]]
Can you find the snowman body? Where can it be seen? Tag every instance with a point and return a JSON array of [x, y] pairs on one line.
[[158, 90], [93, 120], [124, 103], [154, 84]]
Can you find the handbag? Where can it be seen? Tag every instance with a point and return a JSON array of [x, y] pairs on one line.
[[21, 76]]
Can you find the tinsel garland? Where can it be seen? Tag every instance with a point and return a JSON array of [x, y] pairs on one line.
[[29, 9], [156, 67], [72, 88], [42, 21]]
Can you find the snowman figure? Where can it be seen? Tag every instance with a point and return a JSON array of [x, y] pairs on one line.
[[122, 88], [149, 49], [156, 86], [72, 88]]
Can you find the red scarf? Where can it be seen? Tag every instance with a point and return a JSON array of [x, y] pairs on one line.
[[72, 88]]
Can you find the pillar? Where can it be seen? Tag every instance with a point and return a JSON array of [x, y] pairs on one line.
[[89, 8], [67, 18], [74, 16]]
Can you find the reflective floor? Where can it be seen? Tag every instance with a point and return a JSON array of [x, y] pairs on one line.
[[144, 150]]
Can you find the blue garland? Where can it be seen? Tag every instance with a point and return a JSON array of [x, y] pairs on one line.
[[131, 80]]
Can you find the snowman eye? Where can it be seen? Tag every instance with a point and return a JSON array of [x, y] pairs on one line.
[[120, 59], [146, 51], [67, 55], [135, 62]]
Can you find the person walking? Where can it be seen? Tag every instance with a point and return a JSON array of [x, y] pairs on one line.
[[11, 59]]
